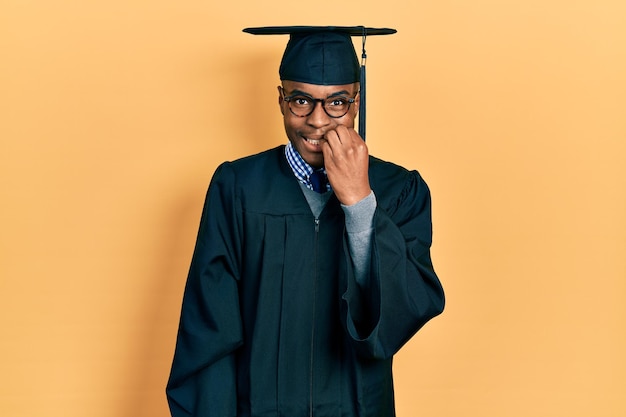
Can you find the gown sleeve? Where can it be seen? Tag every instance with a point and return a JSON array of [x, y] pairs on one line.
[[203, 375], [402, 291]]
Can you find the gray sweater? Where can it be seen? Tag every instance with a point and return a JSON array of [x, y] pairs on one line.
[[358, 226]]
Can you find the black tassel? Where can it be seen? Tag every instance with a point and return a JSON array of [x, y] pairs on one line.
[[362, 94], [362, 104]]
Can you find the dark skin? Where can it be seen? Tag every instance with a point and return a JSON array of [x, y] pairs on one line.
[[324, 141]]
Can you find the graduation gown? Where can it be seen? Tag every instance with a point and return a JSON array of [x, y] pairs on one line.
[[273, 322]]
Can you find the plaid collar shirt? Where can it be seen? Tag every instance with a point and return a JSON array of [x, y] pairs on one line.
[[300, 168]]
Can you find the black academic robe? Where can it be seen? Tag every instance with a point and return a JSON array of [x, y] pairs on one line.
[[273, 322]]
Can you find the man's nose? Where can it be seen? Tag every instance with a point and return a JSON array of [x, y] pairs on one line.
[[318, 117]]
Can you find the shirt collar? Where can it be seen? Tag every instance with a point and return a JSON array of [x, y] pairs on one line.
[[298, 165]]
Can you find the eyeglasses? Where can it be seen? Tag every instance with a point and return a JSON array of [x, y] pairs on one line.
[[303, 105]]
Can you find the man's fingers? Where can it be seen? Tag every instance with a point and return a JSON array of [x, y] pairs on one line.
[[332, 137], [327, 150]]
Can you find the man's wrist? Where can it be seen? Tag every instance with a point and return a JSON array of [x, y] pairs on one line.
[[359, 216]]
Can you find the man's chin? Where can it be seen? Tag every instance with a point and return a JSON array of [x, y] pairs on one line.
[[310, 151], [315, 159]]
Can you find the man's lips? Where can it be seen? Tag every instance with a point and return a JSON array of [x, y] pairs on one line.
[[314, 141]]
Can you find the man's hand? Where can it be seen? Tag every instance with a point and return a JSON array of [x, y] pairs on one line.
[[346, 160]]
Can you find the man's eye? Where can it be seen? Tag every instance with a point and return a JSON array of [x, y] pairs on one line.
[[301, 101], [337, 102]]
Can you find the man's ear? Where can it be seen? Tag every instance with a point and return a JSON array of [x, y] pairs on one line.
[[280, 100], [357, 102]]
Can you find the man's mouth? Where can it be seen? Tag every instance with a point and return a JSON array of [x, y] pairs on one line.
[[315, 142]]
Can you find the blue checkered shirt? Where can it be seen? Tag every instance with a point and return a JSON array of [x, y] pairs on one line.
[[300, 168]]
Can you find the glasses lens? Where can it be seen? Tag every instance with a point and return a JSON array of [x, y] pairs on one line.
[[301, 106], [336, 106]]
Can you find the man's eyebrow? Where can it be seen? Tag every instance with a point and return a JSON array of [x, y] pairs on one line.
[[299, 93], [302, 93], [339, 93]]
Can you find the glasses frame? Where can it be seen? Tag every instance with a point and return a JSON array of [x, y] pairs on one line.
[[288, 99]]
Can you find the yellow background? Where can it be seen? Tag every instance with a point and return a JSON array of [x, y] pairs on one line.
[[114, 115]]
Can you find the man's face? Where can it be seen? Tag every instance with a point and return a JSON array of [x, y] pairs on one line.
[[306, 133]]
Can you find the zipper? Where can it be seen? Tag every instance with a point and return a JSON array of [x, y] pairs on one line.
[[315, 273]]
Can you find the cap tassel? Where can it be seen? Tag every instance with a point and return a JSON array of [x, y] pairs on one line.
[[362, 90]]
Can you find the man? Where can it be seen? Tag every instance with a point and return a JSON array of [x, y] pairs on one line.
[[312, 265]]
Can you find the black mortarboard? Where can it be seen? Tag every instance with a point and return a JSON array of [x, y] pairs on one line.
[[324, 55]]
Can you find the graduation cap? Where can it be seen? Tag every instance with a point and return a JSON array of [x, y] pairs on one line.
[[324, 55]]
